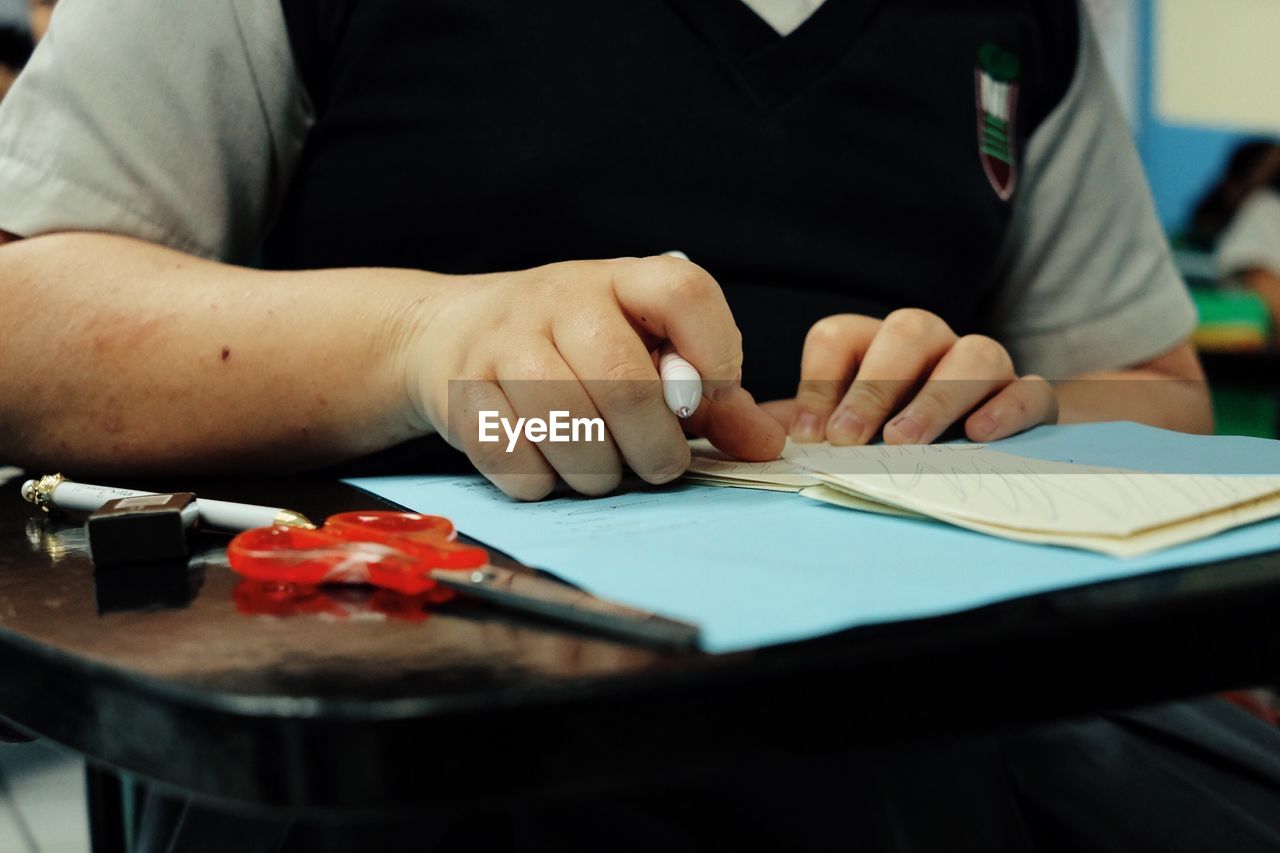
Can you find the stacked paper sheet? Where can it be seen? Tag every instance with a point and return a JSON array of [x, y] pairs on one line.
[[1111, 510]]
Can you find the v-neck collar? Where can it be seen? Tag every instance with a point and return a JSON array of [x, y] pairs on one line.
[[772, 67]]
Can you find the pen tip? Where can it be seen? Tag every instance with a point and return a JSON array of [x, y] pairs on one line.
[[684, 411]]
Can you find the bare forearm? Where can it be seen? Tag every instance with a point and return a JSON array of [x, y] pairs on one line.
[[1145, 396], [121, 355]]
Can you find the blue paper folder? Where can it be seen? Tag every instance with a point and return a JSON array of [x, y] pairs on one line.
[[755, 568]]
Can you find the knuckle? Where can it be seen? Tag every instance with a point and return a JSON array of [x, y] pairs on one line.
[[818, 393], [871, 394], [666, 266], [629, 376], [597, 270], [1019, 406], [688, 284], [527, 366], [987, 353], [911, 322], [1035, 395], [829, 331], [938, 402], [730, 367]]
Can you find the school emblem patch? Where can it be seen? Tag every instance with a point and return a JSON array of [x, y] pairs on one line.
[[996, 92]]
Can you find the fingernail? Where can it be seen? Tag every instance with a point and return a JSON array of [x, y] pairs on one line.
[[847, 427], [983, 425], [806, 427], [907, 427]]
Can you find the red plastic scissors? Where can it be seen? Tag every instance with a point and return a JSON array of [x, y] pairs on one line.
[[392, 550], [413, 553]]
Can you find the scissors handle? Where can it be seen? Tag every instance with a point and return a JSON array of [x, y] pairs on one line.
[[431, 539], [563, 603]]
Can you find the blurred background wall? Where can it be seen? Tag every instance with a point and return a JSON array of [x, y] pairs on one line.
[[1198, 78], [13, 11]]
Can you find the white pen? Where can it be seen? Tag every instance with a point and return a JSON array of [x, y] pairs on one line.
[[54, 490], [681, 383]]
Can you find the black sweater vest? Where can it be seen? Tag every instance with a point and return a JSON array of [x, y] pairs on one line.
[[863, 163]]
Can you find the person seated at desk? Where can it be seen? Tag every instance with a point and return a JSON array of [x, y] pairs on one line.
[[1240, 220], [248, 234], [825, 184]]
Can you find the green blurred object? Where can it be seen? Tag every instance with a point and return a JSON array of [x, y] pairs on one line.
[[1231, 319], [1245, 411], [1234, 339]]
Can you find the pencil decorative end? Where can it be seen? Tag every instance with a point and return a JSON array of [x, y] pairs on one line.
[[40, 492]]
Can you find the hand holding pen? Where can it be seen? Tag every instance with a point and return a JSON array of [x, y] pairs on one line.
[[581, 337]]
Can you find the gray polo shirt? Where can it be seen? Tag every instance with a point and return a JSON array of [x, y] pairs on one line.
[[1252, 241], [182, 123]]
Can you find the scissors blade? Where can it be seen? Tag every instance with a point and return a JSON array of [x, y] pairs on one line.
[[561, 602]]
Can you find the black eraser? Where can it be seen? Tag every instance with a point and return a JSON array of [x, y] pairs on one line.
[[142, 529]]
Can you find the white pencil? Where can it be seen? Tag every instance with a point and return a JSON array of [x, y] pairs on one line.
[[57, 491]]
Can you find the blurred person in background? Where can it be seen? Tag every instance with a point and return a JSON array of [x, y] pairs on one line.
[[38, 12], [15, 48], [1239, 219]]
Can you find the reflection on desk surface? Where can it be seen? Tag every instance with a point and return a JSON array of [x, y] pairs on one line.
[[335, 602], [212, 629]]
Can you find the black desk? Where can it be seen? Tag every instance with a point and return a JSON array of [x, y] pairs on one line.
[[318, 711]]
